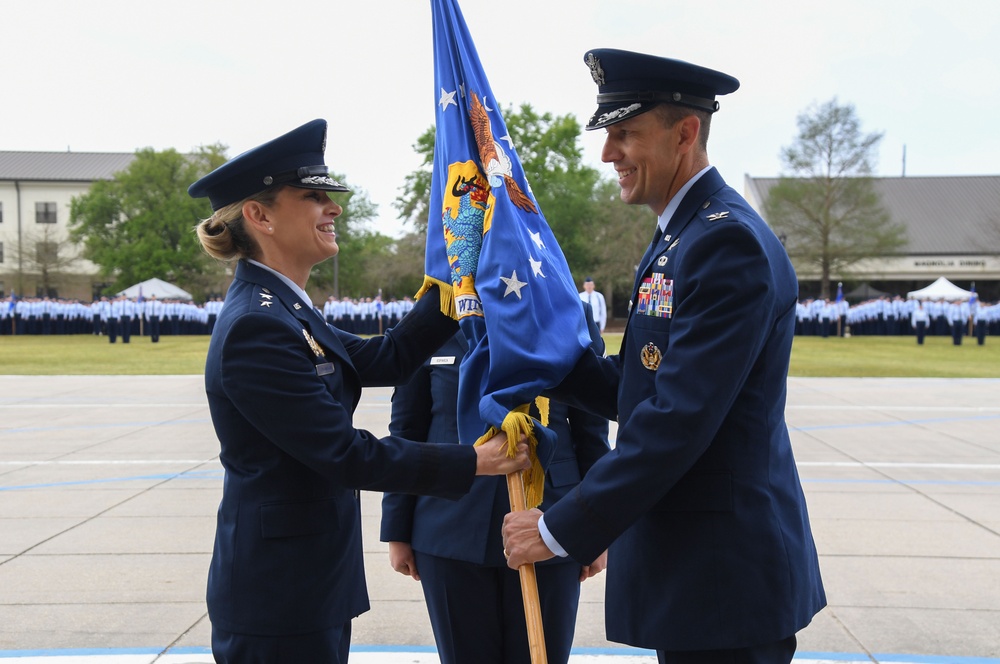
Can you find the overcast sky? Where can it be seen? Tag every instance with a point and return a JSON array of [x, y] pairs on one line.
[[115, 76]]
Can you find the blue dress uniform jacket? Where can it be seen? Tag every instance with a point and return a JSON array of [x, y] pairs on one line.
[[282, 388], [701, 497]]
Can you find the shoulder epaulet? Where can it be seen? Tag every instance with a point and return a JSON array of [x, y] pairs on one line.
[[265, 299], [714, 210]]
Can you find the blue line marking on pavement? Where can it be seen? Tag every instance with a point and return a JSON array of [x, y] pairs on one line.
[[109, 425], [186, 475], [624, 651], [894, 423]]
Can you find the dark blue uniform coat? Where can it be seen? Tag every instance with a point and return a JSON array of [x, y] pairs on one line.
[[469, 529], [282, 388], [701, 497]]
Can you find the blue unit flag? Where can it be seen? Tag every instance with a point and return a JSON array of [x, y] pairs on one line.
[[491, 252]]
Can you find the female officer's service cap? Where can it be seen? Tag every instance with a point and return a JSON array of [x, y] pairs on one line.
[[295, 159], [631, 83]]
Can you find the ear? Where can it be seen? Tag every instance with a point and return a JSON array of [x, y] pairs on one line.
[[688, 129], [256, 215]]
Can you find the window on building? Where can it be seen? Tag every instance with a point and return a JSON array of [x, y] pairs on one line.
[[45, 213], [47, 253]]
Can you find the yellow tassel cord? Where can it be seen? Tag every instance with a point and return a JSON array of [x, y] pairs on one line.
[[518, 423], [446, 295]]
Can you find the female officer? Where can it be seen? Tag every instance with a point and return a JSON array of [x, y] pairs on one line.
[[287, 573]]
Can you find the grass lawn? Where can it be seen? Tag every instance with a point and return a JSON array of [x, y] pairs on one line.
[[811, 356]]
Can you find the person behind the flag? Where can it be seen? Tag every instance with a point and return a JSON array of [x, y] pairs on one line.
[[287, 574], [711, 554], [454, 548]]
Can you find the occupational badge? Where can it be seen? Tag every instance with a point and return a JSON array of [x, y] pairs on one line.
[[661, 261], [651, 356], [313, 345]]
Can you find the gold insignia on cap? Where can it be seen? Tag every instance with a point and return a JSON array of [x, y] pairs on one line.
[[595, 68], [313, 345], [651, 356]]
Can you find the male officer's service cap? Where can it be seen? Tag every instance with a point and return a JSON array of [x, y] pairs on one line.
[[631, 83], [295, 159]]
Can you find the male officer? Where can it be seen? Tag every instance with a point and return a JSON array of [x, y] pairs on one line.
[[712, 558]]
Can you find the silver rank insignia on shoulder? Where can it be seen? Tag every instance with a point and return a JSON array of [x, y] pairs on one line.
[[313, 345], [651, 356], [718, 215], [266, 303], [661, 261]]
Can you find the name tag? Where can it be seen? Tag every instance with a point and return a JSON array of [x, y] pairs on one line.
[[444, 359], [324, 369]]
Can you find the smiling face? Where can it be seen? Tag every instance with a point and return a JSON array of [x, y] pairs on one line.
[[653, 160], [297, 231]]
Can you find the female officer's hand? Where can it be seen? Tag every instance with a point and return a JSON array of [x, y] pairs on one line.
[[492, 457]]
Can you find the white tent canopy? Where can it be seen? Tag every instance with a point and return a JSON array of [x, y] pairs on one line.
[[942, 289], [163, 290]]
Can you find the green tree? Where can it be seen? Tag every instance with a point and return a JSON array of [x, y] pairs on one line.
[[828, 210], [549, 150], [622, 234], [139, 224]]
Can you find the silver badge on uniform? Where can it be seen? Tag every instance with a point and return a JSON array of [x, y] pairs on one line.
[[443, 360], [661, 261]]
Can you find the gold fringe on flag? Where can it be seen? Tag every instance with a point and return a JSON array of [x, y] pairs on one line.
[[446, 295], [518, 423]]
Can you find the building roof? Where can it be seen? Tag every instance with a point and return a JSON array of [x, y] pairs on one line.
[[62, 166], [942, 215]]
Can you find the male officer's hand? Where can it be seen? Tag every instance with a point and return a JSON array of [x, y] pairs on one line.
[[521, 541]]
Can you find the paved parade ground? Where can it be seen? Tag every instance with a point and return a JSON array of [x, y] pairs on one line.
[[109, 486]]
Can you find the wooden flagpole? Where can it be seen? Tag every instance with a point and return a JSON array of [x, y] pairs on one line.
[[529, 584]]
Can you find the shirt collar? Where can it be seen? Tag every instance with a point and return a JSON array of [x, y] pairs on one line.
[[675, 202], [288, 282]]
